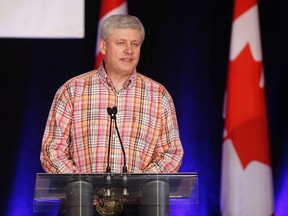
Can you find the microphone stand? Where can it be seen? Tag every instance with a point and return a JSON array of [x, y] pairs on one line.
[[108, 203], [108, 168], [124, 169], [112, 113]]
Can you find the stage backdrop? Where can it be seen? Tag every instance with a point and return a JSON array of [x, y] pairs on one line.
[[186, 49]]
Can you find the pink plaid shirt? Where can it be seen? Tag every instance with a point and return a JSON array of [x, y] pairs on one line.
[[77, 130]]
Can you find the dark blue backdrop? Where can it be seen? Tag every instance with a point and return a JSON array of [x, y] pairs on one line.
[[186, 49]]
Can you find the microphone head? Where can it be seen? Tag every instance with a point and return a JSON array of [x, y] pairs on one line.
[[114, 110], [109, 110]]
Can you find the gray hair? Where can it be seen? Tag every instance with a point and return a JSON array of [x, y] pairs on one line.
[[121, 21]]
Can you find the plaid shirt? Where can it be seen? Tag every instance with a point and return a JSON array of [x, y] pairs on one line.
[[77, 130]]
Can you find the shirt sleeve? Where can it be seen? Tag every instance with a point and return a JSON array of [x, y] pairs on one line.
[[168, 153], [56, 152]]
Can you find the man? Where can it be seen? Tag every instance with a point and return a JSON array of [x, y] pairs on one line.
[[76, 136]]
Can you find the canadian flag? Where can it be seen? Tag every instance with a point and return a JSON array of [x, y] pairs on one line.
[[246, 181], [108, 8]]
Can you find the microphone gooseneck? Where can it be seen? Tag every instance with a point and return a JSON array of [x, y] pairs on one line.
[[108, 168], [112, 112], [124, 169]]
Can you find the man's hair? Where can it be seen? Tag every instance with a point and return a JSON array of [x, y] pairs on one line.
[[121, 21]]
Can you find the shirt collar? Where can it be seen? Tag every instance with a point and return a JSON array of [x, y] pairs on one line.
[[108, 82]]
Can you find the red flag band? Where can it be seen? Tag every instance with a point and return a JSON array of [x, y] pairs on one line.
[[108, 7]]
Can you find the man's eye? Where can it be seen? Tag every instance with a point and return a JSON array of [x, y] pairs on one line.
[[135, 45]]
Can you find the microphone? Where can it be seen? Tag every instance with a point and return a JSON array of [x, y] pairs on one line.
[[112, 112], [108, 168], [124, 169]]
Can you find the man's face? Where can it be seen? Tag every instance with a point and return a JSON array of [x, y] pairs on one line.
[[121, 51]]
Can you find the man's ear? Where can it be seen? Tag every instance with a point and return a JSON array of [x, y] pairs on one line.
[[102, 46]]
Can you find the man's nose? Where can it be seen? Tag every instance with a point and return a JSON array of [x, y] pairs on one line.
[[128, 48]]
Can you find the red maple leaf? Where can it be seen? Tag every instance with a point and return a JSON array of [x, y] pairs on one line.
[[246, 119]]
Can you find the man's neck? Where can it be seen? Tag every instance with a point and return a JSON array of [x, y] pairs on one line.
[[118, 80]]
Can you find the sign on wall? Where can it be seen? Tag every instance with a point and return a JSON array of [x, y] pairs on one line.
[[42, 18]]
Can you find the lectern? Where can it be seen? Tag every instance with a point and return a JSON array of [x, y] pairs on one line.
[[109, 193]]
